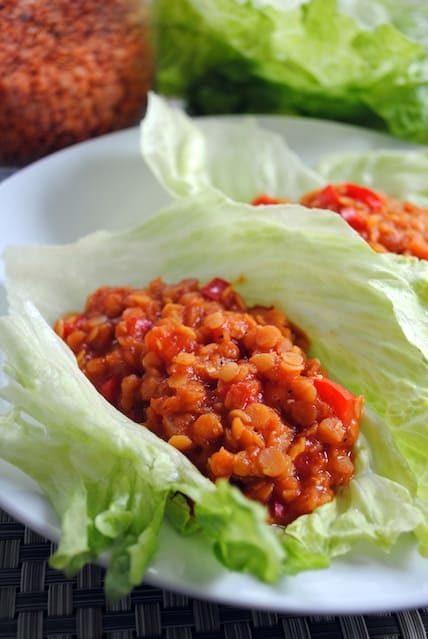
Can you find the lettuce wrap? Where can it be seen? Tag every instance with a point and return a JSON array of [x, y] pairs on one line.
[[360, 62], [112, 482], [242, 159]]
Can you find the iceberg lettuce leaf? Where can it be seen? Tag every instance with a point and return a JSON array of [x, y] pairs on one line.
[[345, 297], [233, 155]]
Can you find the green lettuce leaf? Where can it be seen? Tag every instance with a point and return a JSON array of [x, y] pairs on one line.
[[233, 155], [314, 58], [346, 298]]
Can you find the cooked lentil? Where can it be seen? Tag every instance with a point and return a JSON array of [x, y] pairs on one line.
[[231, 387], [69, 70], [387, 224]]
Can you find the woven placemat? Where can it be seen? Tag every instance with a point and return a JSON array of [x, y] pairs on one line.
[[37, 602]]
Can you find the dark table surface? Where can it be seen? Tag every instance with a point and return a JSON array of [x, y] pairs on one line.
[[38, 602]]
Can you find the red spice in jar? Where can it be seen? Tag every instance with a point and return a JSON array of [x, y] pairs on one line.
[[231, 387], [69, 70]]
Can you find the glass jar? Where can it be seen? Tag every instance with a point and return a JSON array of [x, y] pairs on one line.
[[70, 70]]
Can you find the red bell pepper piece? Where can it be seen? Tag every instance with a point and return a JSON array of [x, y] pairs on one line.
[[214, 289], [353, 218], [363, 194], [327, 198], [339, 398]]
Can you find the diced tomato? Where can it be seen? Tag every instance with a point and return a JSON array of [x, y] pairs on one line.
[[214, 289], [168, 341], [331, 197], [264, 198], [363, 194], [239, 394], [137, 327], [353, 218], [110, 388], [339, 398]]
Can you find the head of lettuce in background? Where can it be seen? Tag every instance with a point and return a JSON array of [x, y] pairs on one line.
[[360, 62], [112, 482]]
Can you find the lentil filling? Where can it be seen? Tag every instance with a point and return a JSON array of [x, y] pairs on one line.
[[387, 224], [229, 386]]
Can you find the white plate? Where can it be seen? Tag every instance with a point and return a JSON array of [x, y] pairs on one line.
[[105, 184]]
